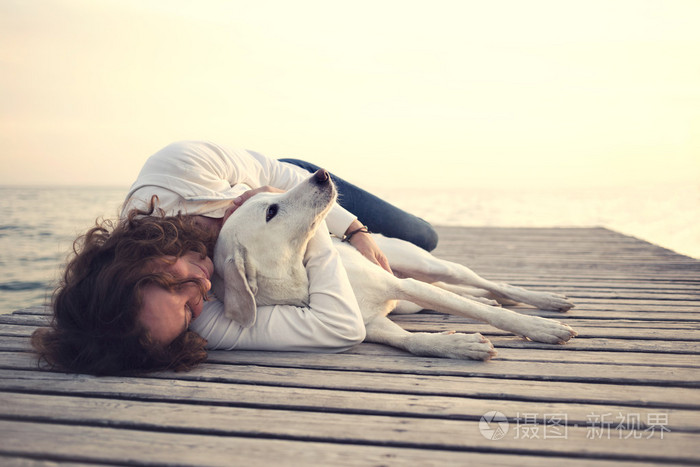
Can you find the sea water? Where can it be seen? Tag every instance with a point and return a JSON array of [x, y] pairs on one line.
[[39, 224], [37, 228]]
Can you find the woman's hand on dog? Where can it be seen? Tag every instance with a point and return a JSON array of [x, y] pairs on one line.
[[365, 244], [239, 200]]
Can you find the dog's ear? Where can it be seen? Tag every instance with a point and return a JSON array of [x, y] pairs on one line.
[[239, 296]]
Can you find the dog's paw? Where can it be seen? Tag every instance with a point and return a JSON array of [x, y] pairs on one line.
[[451, 345], [555, 302], [546, 330], [542, 300], [468, 346]]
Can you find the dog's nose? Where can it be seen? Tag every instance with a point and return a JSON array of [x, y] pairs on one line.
[[321, 176]]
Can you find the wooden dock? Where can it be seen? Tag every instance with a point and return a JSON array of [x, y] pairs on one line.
[[626, 389]]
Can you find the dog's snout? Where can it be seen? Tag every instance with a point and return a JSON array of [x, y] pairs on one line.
[[321, 176]]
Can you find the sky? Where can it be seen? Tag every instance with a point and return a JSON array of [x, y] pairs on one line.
[[430, 93]]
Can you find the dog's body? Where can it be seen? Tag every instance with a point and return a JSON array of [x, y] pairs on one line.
[[259, 261]]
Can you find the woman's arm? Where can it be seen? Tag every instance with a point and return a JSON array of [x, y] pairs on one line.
[[331, 322], [365, 244], [202, 178]]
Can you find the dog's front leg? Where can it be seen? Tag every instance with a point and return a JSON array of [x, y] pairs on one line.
[[382, 330]]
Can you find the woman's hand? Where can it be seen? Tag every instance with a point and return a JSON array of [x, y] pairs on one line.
[[239, 200], [365, 244]]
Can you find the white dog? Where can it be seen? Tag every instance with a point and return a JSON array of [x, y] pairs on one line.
[[258, 260]]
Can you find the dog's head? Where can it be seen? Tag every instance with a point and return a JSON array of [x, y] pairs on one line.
[[258, 256]]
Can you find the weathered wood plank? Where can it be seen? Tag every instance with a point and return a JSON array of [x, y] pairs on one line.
[[439, 384], [523, 352], [627, 441], [21, 344], [520, 354], [545, 371], [18, 461], [603, 344], [550, 371], [312, 399], [621, 311], [542, 355], [594, 332], [135, 447], [25, 320], [16, 331]]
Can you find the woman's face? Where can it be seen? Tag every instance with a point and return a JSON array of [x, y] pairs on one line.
[[167, 314]]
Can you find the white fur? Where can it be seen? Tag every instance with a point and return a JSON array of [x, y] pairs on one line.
[[260, 262]]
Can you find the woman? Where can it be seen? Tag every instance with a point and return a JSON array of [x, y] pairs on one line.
[[135, 295]]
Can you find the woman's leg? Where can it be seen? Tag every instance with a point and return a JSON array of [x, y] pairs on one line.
[[378, 215]]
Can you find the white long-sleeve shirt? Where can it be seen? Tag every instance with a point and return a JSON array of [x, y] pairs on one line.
[[198, 178], [201, 178]]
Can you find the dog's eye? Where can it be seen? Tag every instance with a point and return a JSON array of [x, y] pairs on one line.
[[271, 212]]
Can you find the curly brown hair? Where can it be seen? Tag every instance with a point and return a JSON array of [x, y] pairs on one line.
[[95, 327]]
